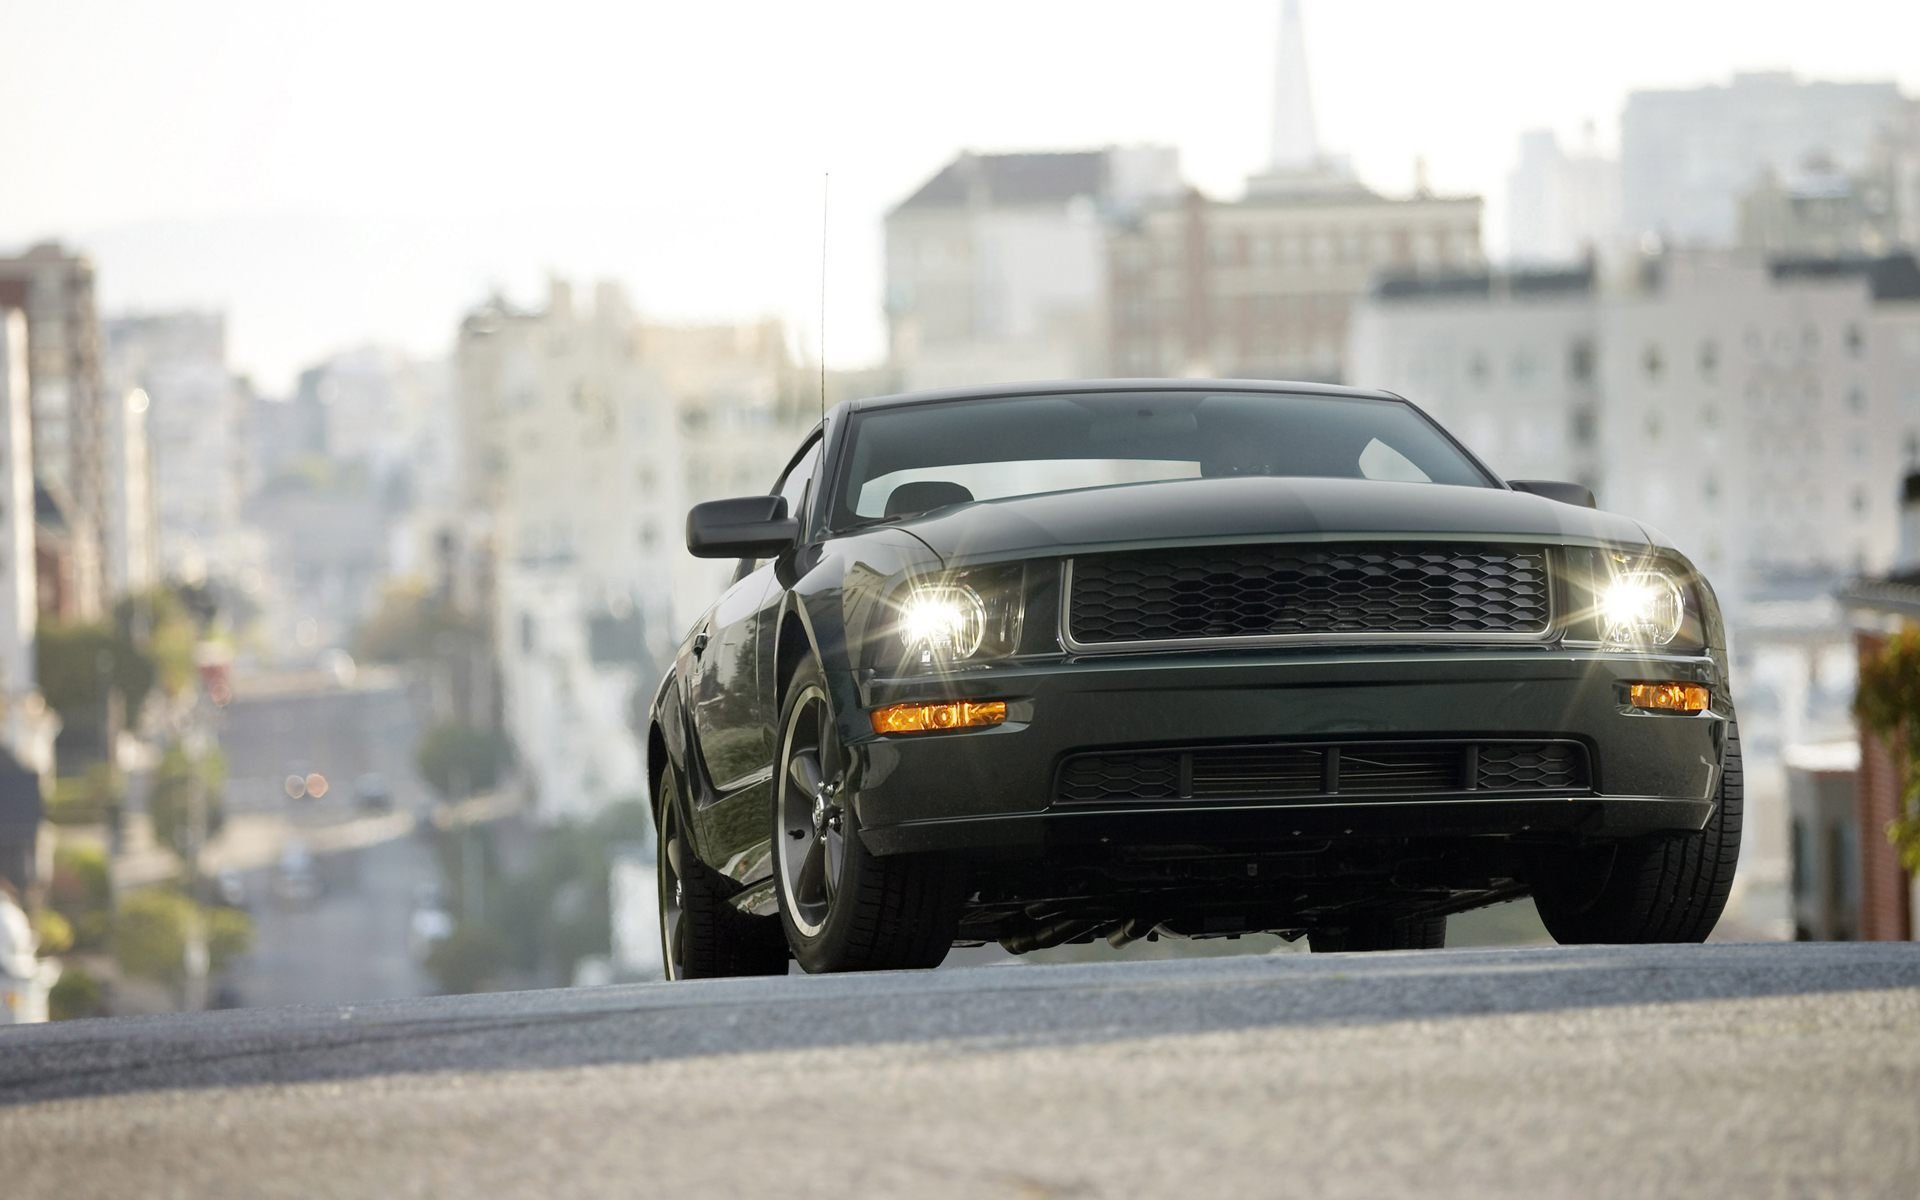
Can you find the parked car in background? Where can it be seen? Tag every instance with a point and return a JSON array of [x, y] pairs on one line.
[[372, 793]]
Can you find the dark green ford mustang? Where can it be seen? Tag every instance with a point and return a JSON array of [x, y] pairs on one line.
[[1048, 663]]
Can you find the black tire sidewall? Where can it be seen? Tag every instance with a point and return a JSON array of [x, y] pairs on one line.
[[820, 951]]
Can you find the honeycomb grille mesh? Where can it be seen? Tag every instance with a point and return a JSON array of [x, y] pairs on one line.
[[1283, 590], [1549, 766], [1279, 772]]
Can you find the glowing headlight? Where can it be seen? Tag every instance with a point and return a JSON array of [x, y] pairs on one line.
[[1642, 608], [943, 621]]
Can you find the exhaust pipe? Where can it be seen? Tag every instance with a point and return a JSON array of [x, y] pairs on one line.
[[1048, 934]]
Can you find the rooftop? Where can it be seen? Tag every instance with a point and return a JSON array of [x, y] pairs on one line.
[[1013, 180]]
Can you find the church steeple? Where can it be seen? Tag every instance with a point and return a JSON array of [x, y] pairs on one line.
[[1296, 139], [1297, 163]]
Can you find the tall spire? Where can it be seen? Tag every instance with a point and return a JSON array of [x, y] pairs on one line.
[[1296, 143]]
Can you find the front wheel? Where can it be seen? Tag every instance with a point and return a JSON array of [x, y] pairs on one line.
[[842, 908], [1670, 889]]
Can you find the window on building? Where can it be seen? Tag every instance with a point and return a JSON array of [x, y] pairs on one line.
[[1709, 358], [1477, 368], [1856, 341], [1653, 362], [1856, 399], [1580, 361], [1585, 425]]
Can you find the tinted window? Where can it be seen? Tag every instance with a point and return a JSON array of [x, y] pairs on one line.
[[916, 457]]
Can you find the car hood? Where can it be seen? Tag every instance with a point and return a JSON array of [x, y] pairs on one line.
[[1252, 508]]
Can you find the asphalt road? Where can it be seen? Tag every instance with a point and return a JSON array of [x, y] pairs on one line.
[[1777, 1070]]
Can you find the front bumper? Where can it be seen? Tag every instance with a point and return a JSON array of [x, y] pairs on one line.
[[993, 788]]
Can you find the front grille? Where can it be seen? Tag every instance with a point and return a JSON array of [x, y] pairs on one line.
[[1518, 766], [1292, 590], [1284, 771]]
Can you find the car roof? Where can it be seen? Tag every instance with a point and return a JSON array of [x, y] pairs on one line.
[[1071, 387]]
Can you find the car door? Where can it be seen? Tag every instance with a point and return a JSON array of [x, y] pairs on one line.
[[736, 744]]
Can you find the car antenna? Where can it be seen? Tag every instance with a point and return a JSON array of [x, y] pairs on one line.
[[826, 178]]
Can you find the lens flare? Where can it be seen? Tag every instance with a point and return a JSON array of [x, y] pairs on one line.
[[1642, 608]]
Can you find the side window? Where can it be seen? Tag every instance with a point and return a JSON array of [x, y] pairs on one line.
[[796, 483]]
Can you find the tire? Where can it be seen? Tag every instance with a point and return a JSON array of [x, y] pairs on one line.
[[701, 935], [1668, 889], [850, 911], [1381, 932]]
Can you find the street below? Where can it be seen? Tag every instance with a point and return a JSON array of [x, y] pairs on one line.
[[1713, 1070]]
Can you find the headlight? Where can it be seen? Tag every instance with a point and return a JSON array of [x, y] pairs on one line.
[[965, 616], [943, 621], [1642, 608]]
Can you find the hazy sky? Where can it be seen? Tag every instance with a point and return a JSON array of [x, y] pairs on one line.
[[364, 169]]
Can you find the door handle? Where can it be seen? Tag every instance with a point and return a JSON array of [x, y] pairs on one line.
[[699, 643]]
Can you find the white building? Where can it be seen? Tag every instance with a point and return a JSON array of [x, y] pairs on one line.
[[997, 266], [196, 423], [573, 448], [1561, 204], [27, 726], [741, 403], [1687, 154], [132, 540]]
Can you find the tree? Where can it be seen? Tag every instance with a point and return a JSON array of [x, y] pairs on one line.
[[170, 799], [151, 929], [413, 625], [1888, 706], [458, 760]]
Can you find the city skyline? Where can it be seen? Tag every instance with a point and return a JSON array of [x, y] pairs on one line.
[[391, 209]]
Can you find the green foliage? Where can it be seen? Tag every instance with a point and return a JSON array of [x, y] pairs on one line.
[[81, 888], [169, 801], [150, 934], [53, 932], [229, 935], [558, 911], [148, 643], [413, 625], [466, 960], [151, 929], [88, 799], [458, 761], [77, 993], [1888, 705]]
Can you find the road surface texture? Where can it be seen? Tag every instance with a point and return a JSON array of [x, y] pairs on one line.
[[1719, 1070]]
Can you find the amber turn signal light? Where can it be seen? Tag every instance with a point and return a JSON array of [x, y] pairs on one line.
[[919, 718], [1669, 697]]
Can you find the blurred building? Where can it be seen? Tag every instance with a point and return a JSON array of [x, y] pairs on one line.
[[741, 404], [27, 725], [132, 534], [56, 291], [997, 266], [1561, 204], [1878, 607], [1818, 211], [196, 432], [572, 448], [1743, 408], [1824, 809], [1686, 155], [1263, 286]]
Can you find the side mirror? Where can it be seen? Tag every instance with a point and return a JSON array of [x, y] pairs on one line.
[[748, 527], [1553, 489]]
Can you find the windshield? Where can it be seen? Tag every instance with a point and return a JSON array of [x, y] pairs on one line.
[[913, 458]]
